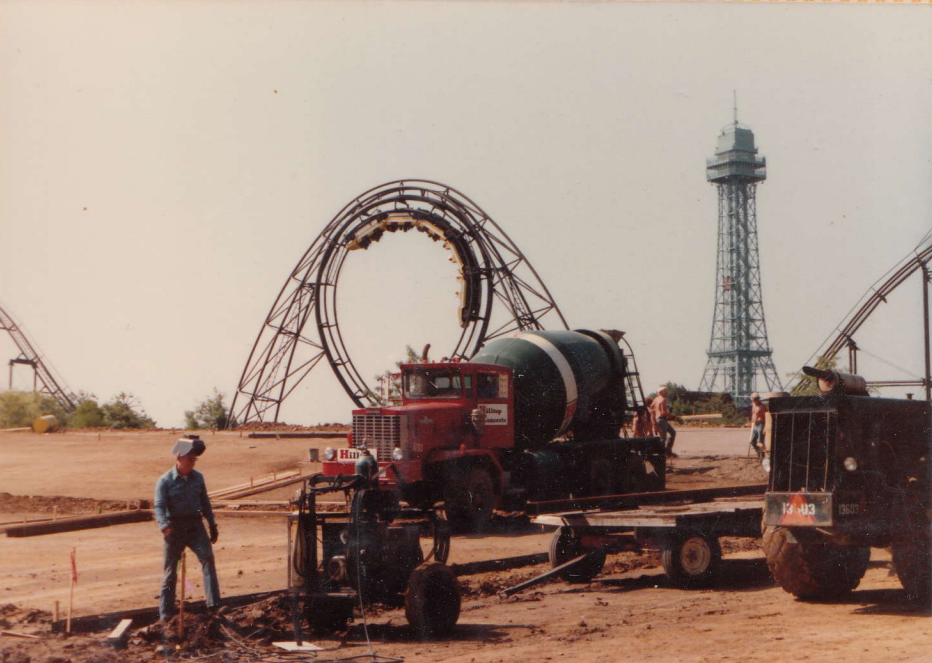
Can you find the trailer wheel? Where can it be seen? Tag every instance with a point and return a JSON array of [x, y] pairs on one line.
[[432, 600], [912, 559], [691, 560], [468, 500], [564, 546], [813, 570], [601, 478]]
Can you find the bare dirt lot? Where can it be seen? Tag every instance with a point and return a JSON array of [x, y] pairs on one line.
[[630, 612]]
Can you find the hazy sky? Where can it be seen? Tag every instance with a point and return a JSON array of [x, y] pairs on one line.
[[164, 165]]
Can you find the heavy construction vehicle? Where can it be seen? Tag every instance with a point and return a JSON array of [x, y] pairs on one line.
[[370, 554], [848, 472], [533, 416]]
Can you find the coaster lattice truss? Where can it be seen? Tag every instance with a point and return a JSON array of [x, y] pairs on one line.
[[302, 328]]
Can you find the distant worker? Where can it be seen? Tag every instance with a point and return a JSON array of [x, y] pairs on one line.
[[658, 409], [758, 416], [643, 421], [180, 503]]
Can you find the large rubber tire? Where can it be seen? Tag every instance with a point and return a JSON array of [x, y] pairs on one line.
[[912, 559], [691, 560], [601, 478], [813, 570], [468, 500], [432, 600], [564, 546]]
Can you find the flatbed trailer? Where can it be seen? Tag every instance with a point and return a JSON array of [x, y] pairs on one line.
[[686, 534]]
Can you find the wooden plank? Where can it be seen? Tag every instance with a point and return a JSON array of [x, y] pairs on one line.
[[281, 483], [252, 514], [485, 566], [256, 483], [117, 637], [14, 634], [80, 523]]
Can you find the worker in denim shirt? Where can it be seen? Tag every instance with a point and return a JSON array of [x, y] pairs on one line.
[[180, 503]]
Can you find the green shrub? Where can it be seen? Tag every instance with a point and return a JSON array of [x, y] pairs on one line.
[[211, 413], [19, 408], [124, 411]]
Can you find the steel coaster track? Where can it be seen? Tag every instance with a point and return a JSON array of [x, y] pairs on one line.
[[492, 269], [28, 355], [843, 335]]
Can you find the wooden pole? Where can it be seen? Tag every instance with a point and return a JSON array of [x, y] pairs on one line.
[[74, 580], [56, 611], [181, 607]]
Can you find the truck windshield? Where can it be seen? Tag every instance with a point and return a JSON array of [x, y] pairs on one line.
[[430, 382]]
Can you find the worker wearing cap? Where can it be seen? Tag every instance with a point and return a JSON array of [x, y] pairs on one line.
[[758, 416], [180, 503]]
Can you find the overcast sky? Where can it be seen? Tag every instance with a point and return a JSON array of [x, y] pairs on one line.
[[164, 165]]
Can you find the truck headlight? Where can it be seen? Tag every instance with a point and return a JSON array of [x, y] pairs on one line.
[[850, 464], [398, 453], [330, 453]]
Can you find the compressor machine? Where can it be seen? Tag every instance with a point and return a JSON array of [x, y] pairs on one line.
[[370, 554]]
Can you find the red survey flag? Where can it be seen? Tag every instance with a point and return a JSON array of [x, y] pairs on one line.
[[74, 569]]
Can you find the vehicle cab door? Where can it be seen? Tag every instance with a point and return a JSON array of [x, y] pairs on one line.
[[493, 396]]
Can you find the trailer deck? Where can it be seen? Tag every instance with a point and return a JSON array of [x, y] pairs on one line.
[[686, 534]]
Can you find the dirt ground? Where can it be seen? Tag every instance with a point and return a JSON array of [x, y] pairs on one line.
[[629, 612]]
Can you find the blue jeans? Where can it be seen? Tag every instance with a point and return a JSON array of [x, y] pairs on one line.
[[757, 438], [666, 430], [191, 536]]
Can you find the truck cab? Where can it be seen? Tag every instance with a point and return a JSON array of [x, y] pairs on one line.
[[449, 410]]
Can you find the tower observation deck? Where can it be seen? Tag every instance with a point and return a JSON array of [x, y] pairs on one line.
[[739, 353]]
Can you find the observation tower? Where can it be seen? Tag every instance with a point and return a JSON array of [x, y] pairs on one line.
[[740, 360]]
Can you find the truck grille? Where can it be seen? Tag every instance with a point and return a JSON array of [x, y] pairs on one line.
[[803, 449], [380, 433]]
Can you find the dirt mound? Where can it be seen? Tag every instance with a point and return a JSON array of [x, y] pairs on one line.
[[57, 504]]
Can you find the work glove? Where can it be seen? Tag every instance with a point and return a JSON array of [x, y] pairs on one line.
[[214, 534]]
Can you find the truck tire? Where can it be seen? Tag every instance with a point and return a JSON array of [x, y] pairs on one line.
[[432, 600], [691, 560], [813, 570], [564, 546], [468, 500], [601, 477], [912, 559]]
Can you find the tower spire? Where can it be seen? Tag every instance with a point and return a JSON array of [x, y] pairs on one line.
[[735, 94], [738, 350]]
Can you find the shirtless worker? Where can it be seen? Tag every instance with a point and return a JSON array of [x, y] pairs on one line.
[[758, 416], [661, 415]]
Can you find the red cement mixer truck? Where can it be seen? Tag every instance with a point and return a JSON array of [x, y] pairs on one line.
[[533, 416]]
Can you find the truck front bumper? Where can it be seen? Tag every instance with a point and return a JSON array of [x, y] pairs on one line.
[[813, 509]]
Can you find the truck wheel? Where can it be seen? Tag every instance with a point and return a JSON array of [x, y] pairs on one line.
[[912, 559], [813, 570], [468, 500], [564, 546], [691, 560], [432, 600], [601, 478]]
